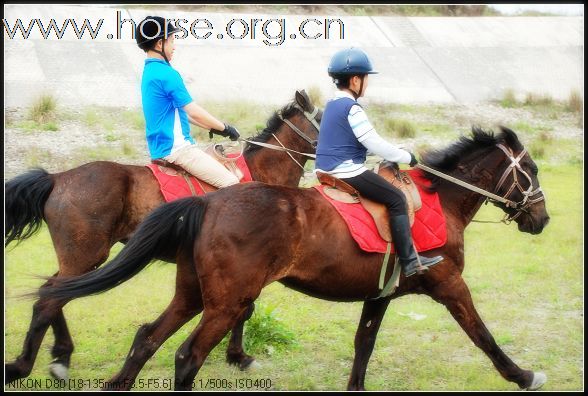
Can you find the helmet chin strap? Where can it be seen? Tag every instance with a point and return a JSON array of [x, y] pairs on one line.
[[162, 52], [356, 95]]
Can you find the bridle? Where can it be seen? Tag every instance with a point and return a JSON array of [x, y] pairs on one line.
[[513, 167], [311, 117], [527, 200]]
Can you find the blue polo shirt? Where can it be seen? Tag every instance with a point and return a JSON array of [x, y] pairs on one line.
[[163, 95]]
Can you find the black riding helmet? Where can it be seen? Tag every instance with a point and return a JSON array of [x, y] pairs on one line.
[[150, 30]]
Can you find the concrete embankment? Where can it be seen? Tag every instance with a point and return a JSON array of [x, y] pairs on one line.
[[420, 59]]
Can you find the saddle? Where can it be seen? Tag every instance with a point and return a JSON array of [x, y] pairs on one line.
[[339, 190], [216, 151]]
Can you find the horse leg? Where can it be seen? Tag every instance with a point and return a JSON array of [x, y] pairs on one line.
[[235, 353], [150, 337], [62, 348], [227, 297], [44, 313], [455, 295], [74, 259], [186, 304], [372, 315], [215, 324]]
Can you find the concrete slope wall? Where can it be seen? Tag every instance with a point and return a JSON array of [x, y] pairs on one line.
[[420, 59]]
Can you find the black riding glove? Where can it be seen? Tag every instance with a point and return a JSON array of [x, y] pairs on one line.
[[413, 160], [229, 131]]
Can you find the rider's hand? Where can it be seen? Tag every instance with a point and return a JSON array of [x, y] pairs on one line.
[[229, 131], [232, 132], [413, 160]]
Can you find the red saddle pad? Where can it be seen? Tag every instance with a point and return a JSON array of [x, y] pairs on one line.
[[175, 187], [428, 230]]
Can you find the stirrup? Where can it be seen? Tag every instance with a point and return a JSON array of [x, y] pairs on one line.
[[420, 269]]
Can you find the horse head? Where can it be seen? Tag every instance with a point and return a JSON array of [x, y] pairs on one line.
[[312, 113], [291, 134], [516, 181]]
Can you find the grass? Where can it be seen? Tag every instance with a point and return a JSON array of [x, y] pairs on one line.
[[533, 99], [134, 119], [529, 293], [400, 128], [545, 107], [36, 157], [248, 118], [543, 103]]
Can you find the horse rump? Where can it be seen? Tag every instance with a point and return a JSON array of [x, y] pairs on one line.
[[169, 230]]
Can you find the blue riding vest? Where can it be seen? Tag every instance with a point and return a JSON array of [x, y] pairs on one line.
[[337, 142]]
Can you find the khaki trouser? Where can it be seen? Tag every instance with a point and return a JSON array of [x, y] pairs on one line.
[[203, 166]]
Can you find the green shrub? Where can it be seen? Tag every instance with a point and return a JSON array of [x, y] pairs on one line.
[[265, 332], [43, 109], [508, 99], [575, 102], [533, 99]]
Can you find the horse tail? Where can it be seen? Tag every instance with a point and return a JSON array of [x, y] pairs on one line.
[[169, 230], [25, 198]]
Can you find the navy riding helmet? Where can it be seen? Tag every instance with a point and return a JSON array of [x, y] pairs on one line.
[[350, 61]]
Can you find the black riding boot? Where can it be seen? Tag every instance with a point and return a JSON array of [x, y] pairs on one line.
[[407, 255]]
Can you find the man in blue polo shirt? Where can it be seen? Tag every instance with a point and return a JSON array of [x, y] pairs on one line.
[[169, 109]]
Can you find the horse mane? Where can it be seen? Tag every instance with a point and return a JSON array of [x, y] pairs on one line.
[[447, 159], [272, 126]]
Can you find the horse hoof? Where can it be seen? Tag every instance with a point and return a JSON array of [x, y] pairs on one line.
[[59, 371], [252, 366], [12, 373], [539, 379]]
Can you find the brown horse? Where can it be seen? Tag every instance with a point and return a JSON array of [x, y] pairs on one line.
[[90, 208], [226, 254]]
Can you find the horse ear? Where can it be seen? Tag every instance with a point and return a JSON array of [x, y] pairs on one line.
[[303, 100], [511, 138]]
